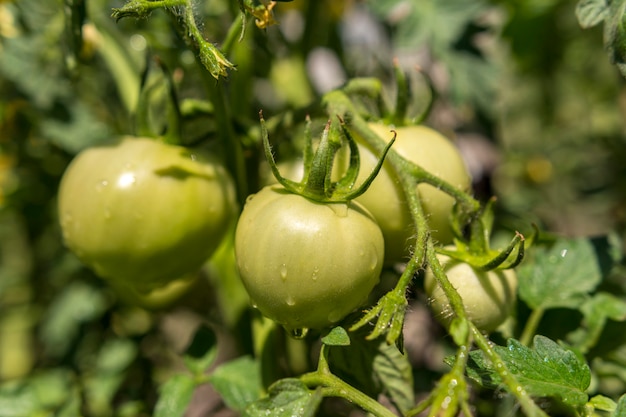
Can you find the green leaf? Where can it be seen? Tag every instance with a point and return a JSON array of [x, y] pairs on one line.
[[238, 382], [434, 22], [287, 398], [547, 370], [77, 304], [394, 372], [40, 394], [375, 367], [202, 351], [116, 355], [175, 396], [600, 402], [562, 275], [76, 130], [337, 336], [620, 411], [615, 34], [591, 12], [596, 311], [103, 380]]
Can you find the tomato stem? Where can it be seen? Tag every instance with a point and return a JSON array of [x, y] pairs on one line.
[[531, 326], [333, 386]]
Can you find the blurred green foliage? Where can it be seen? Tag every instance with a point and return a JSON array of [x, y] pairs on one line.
[[521, 76]]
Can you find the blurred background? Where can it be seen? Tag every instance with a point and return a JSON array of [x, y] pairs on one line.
[[530, 98]]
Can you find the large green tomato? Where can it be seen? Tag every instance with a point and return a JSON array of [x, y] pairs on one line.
[[385, 199], [306, 264], [488, 296], [142, 212]]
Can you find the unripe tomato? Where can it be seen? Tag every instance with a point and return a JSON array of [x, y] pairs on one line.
[[143, 212], [158, 298], [306, 264], [488, 296], [385, 199]]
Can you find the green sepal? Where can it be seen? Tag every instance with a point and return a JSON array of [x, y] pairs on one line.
[[317, 183]]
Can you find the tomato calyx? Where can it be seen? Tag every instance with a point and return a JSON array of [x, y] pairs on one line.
[[476, 250], [317, 184]]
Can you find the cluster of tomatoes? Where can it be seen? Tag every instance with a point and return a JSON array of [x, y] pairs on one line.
[[153, 213]]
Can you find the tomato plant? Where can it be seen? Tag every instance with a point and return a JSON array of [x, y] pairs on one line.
[[339, 242], [488, 296], [307, 264], [143, 212]]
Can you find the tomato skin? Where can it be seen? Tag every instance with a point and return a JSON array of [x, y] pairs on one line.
[[142, 212], [488, 296], [385, 198], [306, 264]]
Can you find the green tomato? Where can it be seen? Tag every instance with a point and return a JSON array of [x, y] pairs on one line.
[[143, 212], [385, 198], [158, 298], [306, 264], [488, 296]]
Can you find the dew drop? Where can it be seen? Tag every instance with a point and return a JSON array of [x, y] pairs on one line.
[[126, 180], [316, 271], [340, 209], [373, 261], [563, 253], [334, 316], [446, 402], [283, 272], [101, 185], [290, 301], [253, 304], [67, 219]]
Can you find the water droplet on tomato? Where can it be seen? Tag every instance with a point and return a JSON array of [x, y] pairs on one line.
[[340, 209], [290, 301], [334, 316], [101, 185], [298, 333], [67, 219], [373, 260], [126, 180], [283, 272], [253, 304], [316, 271]]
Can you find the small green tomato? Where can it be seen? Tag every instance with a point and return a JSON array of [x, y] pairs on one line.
[[488, 296], [306, 264]]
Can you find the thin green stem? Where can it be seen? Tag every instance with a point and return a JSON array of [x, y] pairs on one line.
[[470, 203], [402, 96], [455, 300], [233, 34], [333, 386], [531, 326], [510, 382], [233, 149], [232, 146]]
